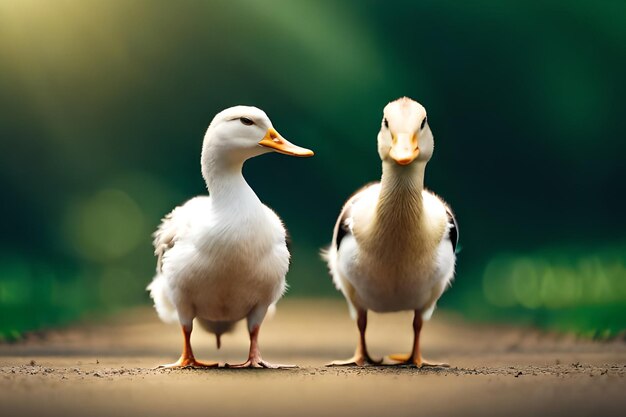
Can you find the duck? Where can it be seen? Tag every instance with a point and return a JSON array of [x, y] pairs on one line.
[[223, 257], [394, 242]]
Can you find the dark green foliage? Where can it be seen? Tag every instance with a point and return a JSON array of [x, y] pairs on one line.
[[104, 106]]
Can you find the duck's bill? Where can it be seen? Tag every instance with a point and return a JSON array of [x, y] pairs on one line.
[[276, 142], [404, 149]]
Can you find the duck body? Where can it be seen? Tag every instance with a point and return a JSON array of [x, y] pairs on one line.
[[223, 257], [381, 278], [227, 262], [394, 242]]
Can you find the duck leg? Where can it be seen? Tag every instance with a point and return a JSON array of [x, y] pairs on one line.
[[361, 355], [254, 356], [187, 360], [415, 357]]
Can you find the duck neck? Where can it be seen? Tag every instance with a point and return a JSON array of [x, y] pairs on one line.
[[226, 184], [399, 210]]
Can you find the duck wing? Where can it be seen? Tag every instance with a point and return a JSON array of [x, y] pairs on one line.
[[175, 225], [453, 229], [343, 226]]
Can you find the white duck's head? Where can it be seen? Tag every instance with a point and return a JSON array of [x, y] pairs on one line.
[[242, 132], [405, 136]]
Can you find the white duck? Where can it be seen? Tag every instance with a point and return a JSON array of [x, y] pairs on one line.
[[223, 257], [394, 242]]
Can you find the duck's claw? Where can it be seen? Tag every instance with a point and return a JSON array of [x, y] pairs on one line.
[[404, 359], [260, 363], [357, 360], [399, 357], [188, 363]]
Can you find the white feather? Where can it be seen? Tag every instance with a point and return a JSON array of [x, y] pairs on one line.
[[396, 253], [222, 258]]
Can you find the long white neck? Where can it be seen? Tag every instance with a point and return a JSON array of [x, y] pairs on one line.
[[398, 215], [225, 182]]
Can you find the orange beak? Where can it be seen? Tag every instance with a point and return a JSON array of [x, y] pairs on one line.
[[404, 149], [275, 141]]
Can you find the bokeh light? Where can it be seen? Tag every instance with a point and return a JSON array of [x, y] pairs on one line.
[[106, 104], [106, 226], [545, 280]]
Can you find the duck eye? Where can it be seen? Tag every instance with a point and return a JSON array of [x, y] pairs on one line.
[[423, 124], [246, 121], [386, 123]]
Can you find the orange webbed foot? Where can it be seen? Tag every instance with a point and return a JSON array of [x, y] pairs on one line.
[[188, 363], [404, 359], [259, 363], [357, 360]]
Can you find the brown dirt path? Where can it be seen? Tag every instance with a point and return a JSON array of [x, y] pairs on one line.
[[105, 370]]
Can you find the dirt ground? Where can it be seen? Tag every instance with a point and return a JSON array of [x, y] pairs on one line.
[[107, 370]]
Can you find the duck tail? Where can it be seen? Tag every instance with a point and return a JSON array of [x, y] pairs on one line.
[[162, 302]]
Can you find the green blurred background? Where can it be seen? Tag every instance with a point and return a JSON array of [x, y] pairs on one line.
[[104, 105]]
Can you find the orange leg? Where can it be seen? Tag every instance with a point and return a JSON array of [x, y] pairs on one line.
[[254, 356], [186, 358], [361, 355], [415, 358]]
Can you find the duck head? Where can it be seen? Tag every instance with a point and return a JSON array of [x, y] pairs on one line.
[[405, 137], [241, 132]]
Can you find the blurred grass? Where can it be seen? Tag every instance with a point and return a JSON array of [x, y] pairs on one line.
[[105, 104], [578, 290]]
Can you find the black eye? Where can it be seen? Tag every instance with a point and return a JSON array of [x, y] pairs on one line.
[[423, 124], [246, 121], [386, 123]]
